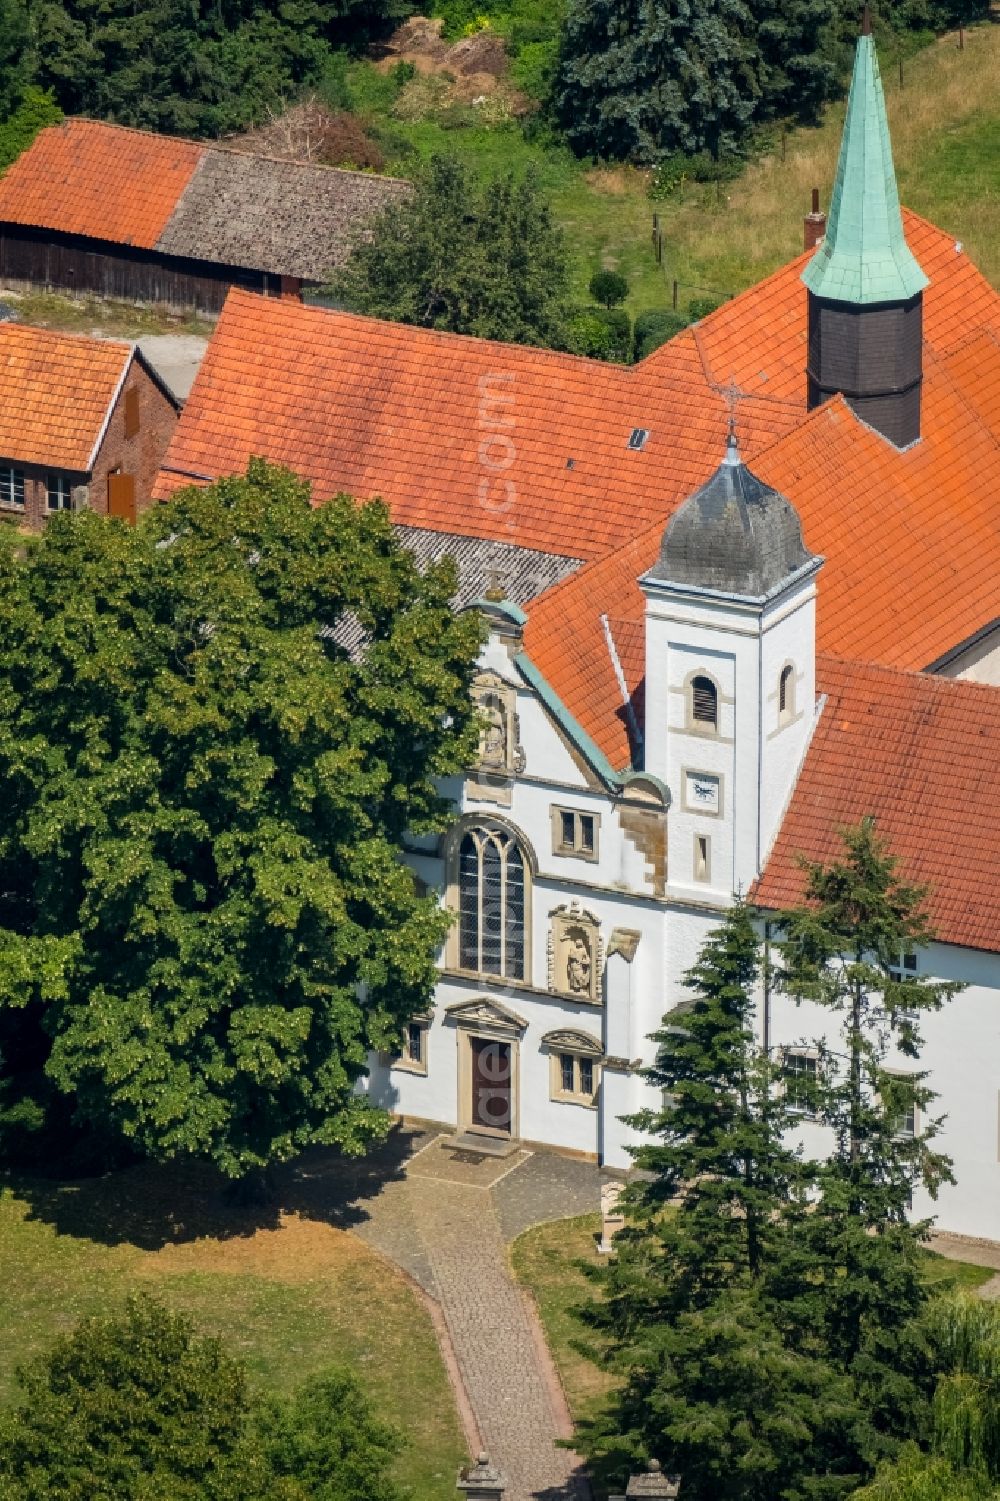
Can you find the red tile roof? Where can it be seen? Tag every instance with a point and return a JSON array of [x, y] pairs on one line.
[[55, 393], [518, 444], [87, 178], [531, 447], [921, 754]]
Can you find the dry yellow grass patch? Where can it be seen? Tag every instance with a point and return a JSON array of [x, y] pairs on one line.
[[944, 124]]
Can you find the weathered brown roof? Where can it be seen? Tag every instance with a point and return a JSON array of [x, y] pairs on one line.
[[185, 198], [289, 218]]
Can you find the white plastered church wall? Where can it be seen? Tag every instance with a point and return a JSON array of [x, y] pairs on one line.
[[615, 887]]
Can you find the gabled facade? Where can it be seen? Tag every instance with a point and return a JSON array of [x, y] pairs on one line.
[[84, 423]]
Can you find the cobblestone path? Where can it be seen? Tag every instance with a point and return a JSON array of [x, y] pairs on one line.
[[987, 1255], [447, 1221]]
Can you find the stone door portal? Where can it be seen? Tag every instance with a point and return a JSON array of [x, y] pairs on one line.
[[491, 1085]]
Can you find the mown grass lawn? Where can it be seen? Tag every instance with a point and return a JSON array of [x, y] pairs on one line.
[[290, 1301], [546, 1261]]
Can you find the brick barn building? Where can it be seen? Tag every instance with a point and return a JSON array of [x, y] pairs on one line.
[[83, 423], [125, 213]]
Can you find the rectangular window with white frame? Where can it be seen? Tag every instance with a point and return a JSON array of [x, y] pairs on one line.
[[11, 487], [907, 1123], [575, 833], [58, 492], [412, 1056], [800, 1074]]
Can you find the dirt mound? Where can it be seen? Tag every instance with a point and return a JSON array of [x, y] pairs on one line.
[[483, 52], [457, 83]]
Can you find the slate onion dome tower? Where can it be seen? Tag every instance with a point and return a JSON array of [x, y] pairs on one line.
[[865, 286], [730, 675]]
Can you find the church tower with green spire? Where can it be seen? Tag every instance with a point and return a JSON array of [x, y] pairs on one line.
[[865, 286]]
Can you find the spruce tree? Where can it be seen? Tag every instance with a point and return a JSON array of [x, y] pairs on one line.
[[801, 61], [692, 1309], [846, 949], [639, 79]]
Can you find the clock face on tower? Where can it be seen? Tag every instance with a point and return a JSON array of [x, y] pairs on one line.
[[702, 792]]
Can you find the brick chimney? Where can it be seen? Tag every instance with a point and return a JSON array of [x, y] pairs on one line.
[[815, 223]]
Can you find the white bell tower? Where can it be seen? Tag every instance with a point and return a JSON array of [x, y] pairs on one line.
[[730, 676]]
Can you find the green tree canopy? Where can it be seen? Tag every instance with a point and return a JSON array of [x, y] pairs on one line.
[[465, 256], [844, 949], [694, 1300], [193, 69], [137, 1407], [14, 67], [642, 81], [215, 731]]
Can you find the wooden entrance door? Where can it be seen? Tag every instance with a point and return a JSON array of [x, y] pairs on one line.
[[491, 1085], [121, 496]]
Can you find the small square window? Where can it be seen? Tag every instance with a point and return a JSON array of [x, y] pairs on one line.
[[906, 969], [12, 487], [575, 833], [58, 492], [638, 438]]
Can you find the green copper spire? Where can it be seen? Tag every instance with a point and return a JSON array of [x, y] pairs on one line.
[[864, 257]]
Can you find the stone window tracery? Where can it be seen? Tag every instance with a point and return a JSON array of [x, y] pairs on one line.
[[491, 902]]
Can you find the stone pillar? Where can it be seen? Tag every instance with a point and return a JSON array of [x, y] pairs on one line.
[[612, 1219], [653, 1485], [482, 1481]]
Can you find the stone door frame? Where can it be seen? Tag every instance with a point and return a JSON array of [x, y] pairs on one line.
[[485, 1020]]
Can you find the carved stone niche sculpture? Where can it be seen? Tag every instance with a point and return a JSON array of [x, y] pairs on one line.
[[575, 954], [500, 756]]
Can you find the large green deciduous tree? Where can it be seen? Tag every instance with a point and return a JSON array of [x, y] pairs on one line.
[[215, 731], [693, 1304], [138, 1406], [845, 949], [639, 79], [464, 256]]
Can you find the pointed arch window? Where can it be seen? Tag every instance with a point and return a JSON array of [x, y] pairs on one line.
[[491, 903], [704, 702]]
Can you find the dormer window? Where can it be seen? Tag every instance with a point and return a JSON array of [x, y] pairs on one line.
[[786, 695], [704, 702]]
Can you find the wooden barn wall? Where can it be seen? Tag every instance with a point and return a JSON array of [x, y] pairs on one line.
[[74, 263]]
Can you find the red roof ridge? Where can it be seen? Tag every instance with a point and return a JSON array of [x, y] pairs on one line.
[[60, 336], [931, 681], [437, 335], [131, 130]]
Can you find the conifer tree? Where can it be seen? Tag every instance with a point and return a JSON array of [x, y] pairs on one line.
[[846, 949], [643, 80], [692, 1313]]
